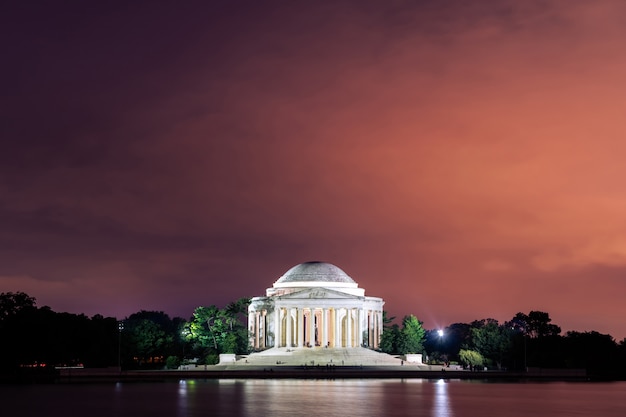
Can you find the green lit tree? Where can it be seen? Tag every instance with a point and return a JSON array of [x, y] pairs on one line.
[[389, 339], [471, 358], [206, 327], [213, 331], [412, 335], [390, 335]]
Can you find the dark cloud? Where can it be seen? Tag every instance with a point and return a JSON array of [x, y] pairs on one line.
[[459, 159]]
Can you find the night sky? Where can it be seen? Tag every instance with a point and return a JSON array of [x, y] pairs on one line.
[[462, 160]]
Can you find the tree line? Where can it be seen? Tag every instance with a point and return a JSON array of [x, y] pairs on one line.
[[526, 341], [37, 337]]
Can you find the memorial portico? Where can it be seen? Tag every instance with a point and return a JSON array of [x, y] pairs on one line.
[[315, 304]]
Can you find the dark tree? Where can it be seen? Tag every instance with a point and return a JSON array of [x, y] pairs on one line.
[[41, 339], [102, 344], [12, 303], [389, 341], [536, 341], [597, 353], [390, 336], [456, 336], [536, 324], [148, 338], [492, 340], [446, 347]]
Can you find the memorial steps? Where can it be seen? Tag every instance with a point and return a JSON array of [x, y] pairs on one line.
[[316, 357]]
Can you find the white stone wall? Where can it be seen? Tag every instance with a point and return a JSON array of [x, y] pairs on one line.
[[414, 357]]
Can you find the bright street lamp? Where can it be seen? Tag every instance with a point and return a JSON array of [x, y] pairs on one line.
[[443, 355]]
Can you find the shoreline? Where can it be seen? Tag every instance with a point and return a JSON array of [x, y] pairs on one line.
[[287, 372]]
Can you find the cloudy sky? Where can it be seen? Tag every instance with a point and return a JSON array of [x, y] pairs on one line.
[[462, 160]]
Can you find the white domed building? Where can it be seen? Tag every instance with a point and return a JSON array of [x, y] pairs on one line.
[[315, 304]]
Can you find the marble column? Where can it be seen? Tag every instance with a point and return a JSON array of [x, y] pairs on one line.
[[359, 336], [256, 329], [312, 327], [374, 328], [332, 328], [380, 327], [348, 327], [370, 343], [338, 343], [262, 329], [276, 327], [251, 328], [324, 327], [300, 327], [289, 328]]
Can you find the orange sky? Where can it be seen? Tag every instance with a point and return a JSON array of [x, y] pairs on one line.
[[460, 160]]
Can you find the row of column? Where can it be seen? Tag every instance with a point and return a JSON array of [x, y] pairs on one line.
[[257, 324], [330, 327]]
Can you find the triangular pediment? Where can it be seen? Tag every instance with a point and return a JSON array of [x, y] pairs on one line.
[[319, 293]]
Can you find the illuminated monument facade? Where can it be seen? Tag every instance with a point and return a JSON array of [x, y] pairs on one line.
[[315, 304]]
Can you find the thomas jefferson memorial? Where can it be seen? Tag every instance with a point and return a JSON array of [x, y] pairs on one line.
[[315, 304]]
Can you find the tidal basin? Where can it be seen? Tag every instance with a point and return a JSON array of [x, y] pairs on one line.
[[341, 397]]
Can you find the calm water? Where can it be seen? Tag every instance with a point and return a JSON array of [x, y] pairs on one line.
[[314, 398]]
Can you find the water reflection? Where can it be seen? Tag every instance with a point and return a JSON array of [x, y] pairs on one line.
[[182, 390], [302, 397], [442, 406], [347, 398], [186, 391], [288, 397]]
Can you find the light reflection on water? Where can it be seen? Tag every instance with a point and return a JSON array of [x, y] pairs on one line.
[[315, 398], [442, 406], [358, 398], [299, 398]]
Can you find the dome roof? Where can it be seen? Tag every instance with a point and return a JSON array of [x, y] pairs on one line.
[[315, 272]]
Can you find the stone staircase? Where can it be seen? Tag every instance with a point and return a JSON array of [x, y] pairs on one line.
[[317, 356]]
